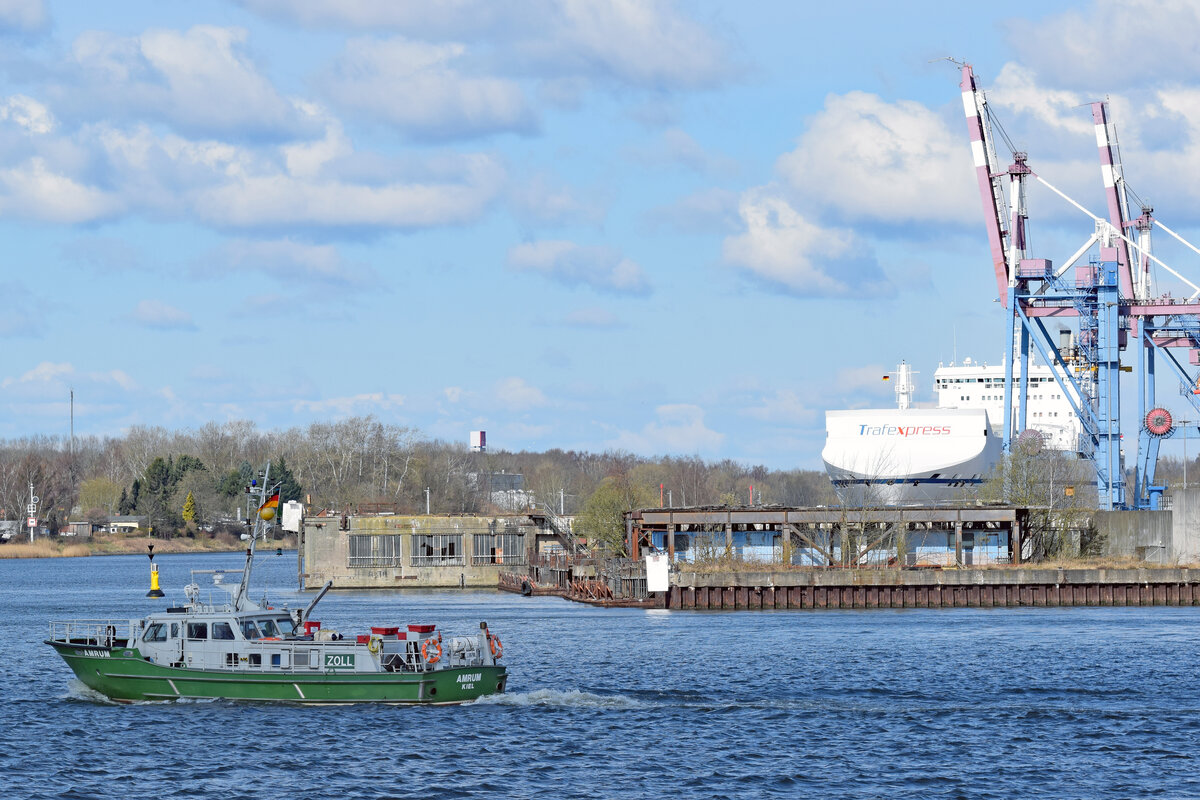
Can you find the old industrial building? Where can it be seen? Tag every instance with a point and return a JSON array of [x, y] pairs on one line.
[[394, 550]]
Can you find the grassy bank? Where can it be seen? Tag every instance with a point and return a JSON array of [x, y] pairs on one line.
[[119, 545]]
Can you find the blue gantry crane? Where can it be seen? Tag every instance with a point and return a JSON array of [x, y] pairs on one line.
[[1104, 302]]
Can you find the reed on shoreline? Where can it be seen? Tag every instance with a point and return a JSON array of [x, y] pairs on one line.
[[123, 545], [43, 549]]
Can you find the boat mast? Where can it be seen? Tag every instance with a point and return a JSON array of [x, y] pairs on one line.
[[259, 528]]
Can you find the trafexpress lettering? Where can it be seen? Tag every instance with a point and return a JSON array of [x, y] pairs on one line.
[[903, 430]]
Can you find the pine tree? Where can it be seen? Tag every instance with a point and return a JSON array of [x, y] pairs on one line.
[[289, 487], [189, 508]]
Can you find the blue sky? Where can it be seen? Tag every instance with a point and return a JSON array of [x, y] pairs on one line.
[[668, 228]]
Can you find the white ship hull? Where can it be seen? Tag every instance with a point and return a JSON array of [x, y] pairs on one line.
[[908, 456]]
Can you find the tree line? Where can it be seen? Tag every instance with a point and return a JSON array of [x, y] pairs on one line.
[[360, 463]]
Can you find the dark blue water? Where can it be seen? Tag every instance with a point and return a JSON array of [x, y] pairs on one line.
[[631, 704]]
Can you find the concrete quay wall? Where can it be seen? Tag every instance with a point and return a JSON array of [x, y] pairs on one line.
[[832, 589]]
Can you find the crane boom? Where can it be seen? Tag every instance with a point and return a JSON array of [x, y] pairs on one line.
[[990, 190], [1114, 193]]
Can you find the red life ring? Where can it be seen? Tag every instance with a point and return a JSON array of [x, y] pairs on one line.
[[496, 646], [437, 651]]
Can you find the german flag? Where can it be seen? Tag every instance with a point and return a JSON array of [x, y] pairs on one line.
[[272, 502]]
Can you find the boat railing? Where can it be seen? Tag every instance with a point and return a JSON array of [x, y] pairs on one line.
[[266, 655], [95, 632]]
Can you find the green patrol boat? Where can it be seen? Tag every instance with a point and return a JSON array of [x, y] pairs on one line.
[[242, 650]]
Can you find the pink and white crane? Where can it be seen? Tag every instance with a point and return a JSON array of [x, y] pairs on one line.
[[1109, 298]]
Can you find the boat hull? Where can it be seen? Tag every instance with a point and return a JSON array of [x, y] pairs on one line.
[[901, 456], [123, 675]]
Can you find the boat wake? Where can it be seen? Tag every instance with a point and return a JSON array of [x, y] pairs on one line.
[[557, 698], [78, 690]]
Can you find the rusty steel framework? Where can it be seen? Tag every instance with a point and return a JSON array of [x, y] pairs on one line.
[[825, 534]]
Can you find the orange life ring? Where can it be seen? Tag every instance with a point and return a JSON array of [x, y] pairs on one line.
[[496, 646], [437, 651]]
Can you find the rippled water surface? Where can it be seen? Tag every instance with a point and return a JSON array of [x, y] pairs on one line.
[[622, 703]]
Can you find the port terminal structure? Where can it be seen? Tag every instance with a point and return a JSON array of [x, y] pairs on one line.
[[1109, 300]]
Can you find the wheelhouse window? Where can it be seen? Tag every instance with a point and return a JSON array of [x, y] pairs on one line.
[[269, 628], [157, 632], [222, 630], [197, 630]]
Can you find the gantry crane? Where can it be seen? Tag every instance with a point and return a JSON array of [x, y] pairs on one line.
[[1108, 299]]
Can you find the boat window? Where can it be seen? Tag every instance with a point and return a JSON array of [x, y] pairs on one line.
[[286, 626], [222, 630], [174, 630], [268, 627], [155, 633], [197, 630], [249, 629]]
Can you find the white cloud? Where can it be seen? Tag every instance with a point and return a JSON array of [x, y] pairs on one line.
[[100, 172], [643, 43], [309, 159], [1113, 44], [415, 87], [454, 394], [889, 162], [288, 260], [784, 406], [157, 314], [44, 372], [34, 190], [782, 248], [117, 376], [281, 200], [1016, 89], [601, 268], [676, 146], [201, 81], [539, 201], [703, 211], [430, 19], [678, 429], [23, 16], [27, 113], [354, 404], [864, 380], [517, 395]]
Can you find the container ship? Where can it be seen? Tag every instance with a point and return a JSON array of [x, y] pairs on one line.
[[911, 455]]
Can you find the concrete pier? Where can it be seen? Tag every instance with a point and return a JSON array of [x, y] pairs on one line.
[[961, 588]]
